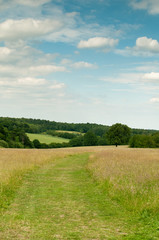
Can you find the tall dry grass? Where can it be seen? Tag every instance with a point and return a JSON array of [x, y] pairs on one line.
[[130, 176], [14, 160]]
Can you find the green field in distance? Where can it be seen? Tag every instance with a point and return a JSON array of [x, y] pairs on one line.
[[44, 138]]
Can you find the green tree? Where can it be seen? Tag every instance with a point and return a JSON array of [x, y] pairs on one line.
[[119, 134], [36, 143], [90, 139], [142, 141], [78, 141], [103, 140], [155, 138]]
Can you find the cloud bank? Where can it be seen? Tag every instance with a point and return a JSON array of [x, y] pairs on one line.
[[26, 28]]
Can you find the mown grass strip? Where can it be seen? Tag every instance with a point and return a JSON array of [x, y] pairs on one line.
[[14, 165], [62, 201]]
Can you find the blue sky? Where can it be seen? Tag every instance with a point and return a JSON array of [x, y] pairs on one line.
[[80, 61]]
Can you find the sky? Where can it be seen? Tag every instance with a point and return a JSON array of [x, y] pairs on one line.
[[80, 61]]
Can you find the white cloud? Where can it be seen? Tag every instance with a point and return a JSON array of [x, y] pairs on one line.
[[9, 70], [57, 85], [144, 47], [75, 29], [154, 100], [78, 65], [24, 81], [147, 44], [22, 70], [26, 28], [4, 51], [29, 81], [98, 42], [147, 66], [59, 27], [124, 78], [27, 61], [151, 76], [4, 82], [22, 9], [66, 61], [46, 69], [12, 3], [31, 3], [83, 65], [5, 54], [152, 6], [134, 78], [43, 86]]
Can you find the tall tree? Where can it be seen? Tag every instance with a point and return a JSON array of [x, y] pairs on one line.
[[119, 134], [90, 139]]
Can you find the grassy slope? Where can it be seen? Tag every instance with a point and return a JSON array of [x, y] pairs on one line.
[[46, 138], [62, 201]]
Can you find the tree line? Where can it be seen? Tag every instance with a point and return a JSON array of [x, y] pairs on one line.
[[144, 141], [14, 138], [13, 134], [61, 134], [39, 126]]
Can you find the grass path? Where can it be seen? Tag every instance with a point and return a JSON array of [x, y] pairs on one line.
[[61, 201]]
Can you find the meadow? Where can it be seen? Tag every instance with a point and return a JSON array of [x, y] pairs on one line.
[[15, 163], [44, 138], [130, 176], [79, 193]]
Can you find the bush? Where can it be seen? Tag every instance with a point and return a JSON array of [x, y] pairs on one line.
[[76, 142], [18, 145], [66, 135], [3, 144], [36, 143], [58, 145], [142, 141]]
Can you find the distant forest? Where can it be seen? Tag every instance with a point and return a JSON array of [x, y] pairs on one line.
[[13, 134]]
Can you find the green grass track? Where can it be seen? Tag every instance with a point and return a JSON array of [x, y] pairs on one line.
[[62, 201]]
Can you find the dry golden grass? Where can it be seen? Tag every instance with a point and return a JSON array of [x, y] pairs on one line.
[[131, 176], [18, 160]]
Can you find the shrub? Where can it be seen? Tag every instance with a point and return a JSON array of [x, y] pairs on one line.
[[3, 144], [142, 141]]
